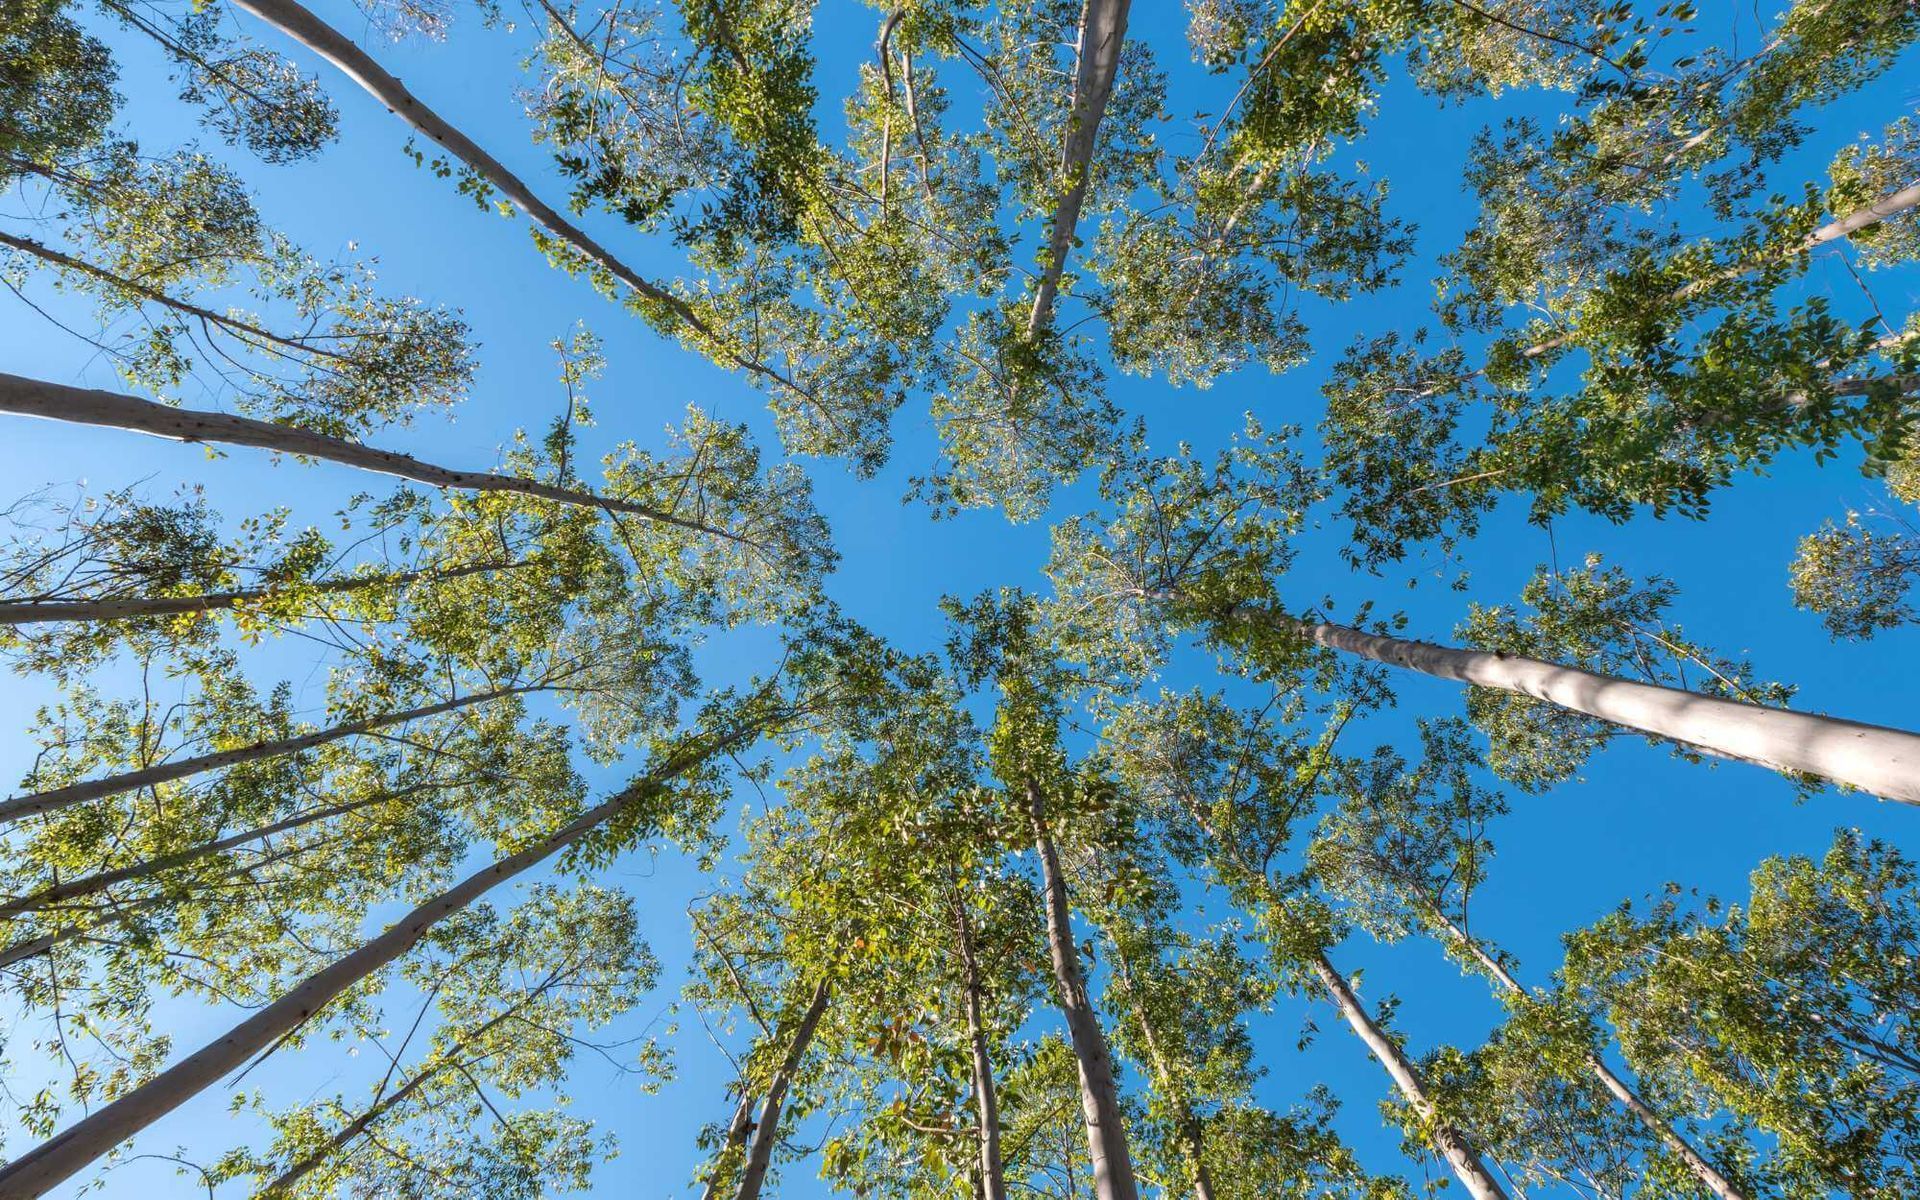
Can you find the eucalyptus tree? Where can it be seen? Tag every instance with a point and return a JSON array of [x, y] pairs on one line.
[[1603, 620], [1407, 848], [1232, 788], [727, 486], [1698, 364], [1858, 575], [914, 849], [162, 245], [995, 639], [1182, 1000], [1185, 546], [1792, 1011], [830, 676], [221, 892], [514, 1000]]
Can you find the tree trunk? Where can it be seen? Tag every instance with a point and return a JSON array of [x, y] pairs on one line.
[[54, 799], [1885, 762], [1187, 1125], [114, 410], [767, 1134], [1452, 1144], [58, 1158], [88, 885], [329, 43], [1643, 1112], [32, 612], [1103, 31], [993, 1183], [1099, 1099], [736, 1138]]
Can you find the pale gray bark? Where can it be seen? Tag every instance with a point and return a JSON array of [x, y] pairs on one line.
[[67, 1152], [93, 789], [1113, 1177], [1453, 1145], [1885, 762], [1643, 1112], [767, 1134], [1103, 31], [90, 885], [735, 1139], [993, 1182], [35, 612], [114, 410], [329, 43]]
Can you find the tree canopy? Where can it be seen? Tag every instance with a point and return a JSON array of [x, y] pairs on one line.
[[1057, 599]]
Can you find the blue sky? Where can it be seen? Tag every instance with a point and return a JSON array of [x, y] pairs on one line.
[[1637, 819]]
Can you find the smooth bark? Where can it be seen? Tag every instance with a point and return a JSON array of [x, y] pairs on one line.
[[993, 1182], [1873, 758], [1103, 31], [736, 1138], [60, 1157], [1113, 1177], [1617, 1087], [337, 48], [89, 885], [54, 799], [34, 612], [767, 1134], [1453, 1145], [114, 410]]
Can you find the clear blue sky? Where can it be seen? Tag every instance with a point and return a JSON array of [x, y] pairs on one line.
[[1638, 819]]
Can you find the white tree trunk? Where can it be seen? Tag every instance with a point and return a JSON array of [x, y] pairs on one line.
[[1103, 31], [93, 789], [1099, 1098], [1453, 1145], [89, 885], [35, 612], [993, 1182], [767, 1134], [329, 43], [736, 1138], [114, 410], [1885, 762], [67, 1152]]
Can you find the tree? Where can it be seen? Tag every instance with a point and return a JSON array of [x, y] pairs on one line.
[[632, 813], [1202, 549], [516, 997], [1791, 1009], [1025, 754], [1238, 788], [1407, 848]]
